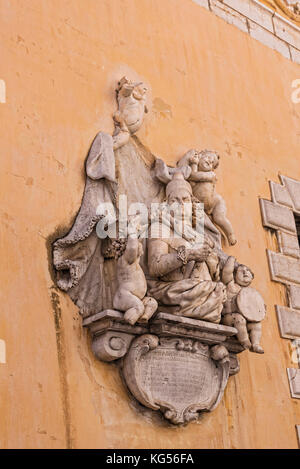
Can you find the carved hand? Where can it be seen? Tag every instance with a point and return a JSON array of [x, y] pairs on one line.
[[210, 176], [203, 176], [194, 158], [121, 134], [120, 122], [135, 226], [200, 253]]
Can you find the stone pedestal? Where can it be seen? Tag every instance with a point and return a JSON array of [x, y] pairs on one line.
[[177, 365], [111, 335]]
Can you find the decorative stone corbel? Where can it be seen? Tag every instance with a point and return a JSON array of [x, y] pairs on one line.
[[111, 335], [161, 357]]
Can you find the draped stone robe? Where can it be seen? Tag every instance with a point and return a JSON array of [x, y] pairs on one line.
[[78, 257], [185, 290]]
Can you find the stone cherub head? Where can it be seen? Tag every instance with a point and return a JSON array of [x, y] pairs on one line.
[[244, 307], [243, 276], [131, 98], [205, 160]]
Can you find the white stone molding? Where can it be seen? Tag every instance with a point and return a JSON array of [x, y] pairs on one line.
[[298, 434], [2, 351], [284, 269], [2, 92], [280, 194], [288, 244], [293, 187], [294, 296], [229, 15], [260, 22], [278, 214], [294, 380], [289, 322]]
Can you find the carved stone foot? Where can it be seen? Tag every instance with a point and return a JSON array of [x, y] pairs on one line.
[[234, 364], [132, 315], [246, 344], [232, 240], [257, 349]]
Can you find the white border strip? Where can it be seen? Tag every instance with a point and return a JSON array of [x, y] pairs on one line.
[[260, 22]]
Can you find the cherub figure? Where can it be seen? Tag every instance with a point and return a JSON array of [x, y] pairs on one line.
[[203, 181], [131, 97], [244, 307], [132, 286]]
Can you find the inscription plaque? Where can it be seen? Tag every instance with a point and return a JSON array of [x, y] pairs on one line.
[[158, 370]]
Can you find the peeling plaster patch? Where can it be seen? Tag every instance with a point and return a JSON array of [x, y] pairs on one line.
[[2, 351], [162, 108], [2, 91]]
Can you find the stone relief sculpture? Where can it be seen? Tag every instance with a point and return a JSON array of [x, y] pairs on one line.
[[198, 168], [244, 307], [85, 263], [158, 294], [130, 296], [179, 276], [203, 180]]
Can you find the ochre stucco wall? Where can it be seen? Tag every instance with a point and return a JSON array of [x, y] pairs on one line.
[[211, 86]]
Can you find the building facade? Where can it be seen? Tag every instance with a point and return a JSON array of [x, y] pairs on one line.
[[221, 75]]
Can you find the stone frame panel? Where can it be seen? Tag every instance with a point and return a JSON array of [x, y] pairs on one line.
[[285, 266]]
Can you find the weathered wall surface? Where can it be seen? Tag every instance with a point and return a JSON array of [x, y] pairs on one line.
[[212, 86]]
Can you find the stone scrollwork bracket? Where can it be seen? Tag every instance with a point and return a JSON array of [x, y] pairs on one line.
[[111, 346], [160, 358], [111, 336], [157, 372]]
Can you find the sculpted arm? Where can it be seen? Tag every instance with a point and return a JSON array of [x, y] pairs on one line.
[[121, 134], [203, 176], [159, 260], [227, 272]]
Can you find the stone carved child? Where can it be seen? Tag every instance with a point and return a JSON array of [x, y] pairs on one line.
[[132, 286], [203, 181], [238, 277], [131, 97]]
